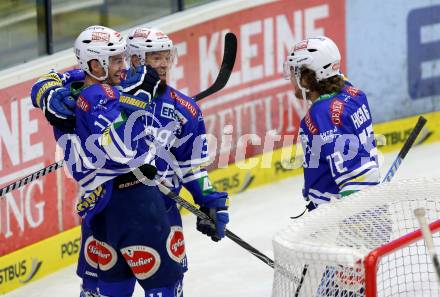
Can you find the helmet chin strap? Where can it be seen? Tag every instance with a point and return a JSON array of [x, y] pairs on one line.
[[100, 78]]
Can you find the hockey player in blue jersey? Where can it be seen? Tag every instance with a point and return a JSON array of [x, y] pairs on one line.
[[154, 48], [185, 167], [132, 233], [340, 154]]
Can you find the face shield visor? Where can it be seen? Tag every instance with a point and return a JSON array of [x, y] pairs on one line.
[[166, 58]]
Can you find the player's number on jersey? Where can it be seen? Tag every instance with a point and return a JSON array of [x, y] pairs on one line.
[[366, 139], [100, 125], [365, 134], [337, 161]]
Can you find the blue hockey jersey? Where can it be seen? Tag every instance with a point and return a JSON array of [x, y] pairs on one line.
[[106, 142], [189, 148], [175, 123], [340, 154]]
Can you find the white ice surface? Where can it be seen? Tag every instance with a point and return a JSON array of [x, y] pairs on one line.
[[226, 269]]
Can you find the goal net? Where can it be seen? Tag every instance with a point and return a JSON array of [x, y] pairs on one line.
[[367, 244]]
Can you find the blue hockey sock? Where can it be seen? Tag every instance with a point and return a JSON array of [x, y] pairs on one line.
[[89, 287], [123, 288], [175, 290]]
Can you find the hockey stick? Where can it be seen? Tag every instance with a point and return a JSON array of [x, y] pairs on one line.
[[390, 174], [427, 237], [230, 51], [405, 149], [166, 191]]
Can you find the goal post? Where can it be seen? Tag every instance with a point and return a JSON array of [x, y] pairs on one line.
[[367, 244]]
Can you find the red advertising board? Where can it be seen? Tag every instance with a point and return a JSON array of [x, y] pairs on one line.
[[256, 100], [39, 209]]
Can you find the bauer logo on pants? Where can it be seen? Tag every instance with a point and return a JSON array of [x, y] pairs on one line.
[[143, 260], [176, 244], [107, 256]]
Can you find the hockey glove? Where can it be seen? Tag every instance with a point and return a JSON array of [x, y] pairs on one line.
[[143, 82], [72, 76], [310, 205], [58, 107], [215, 205]]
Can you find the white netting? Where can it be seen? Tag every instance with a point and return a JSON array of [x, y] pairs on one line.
[[326, 248]]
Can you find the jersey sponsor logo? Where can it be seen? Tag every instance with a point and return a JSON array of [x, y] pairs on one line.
[[101, 104], [336, 110], [176, 244], [353, 91], [169, 112], [83, 104], [301, 45], [329, 135], [107, 256], [188, 106], [360, 116], [91, 251], [133, 102], [179, 117], [100, 36], [144, 261], [108, 90], [308, 121]]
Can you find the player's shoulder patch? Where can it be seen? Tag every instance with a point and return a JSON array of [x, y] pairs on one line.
[[83, 104], [191, 107], [99, 94], [109, 91], [353, 91], [310, 124]]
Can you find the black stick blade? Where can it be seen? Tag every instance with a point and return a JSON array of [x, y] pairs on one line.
[[230, 52]]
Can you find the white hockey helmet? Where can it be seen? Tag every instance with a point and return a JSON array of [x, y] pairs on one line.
[[319, 54], [98, 43], [144, 40]]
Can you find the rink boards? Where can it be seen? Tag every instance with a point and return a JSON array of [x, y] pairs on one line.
[[47, 256], [255, 101]]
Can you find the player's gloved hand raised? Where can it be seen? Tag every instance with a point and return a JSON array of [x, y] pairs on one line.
[[72, 75], [58, 107], [215, 205], [143, 82]]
